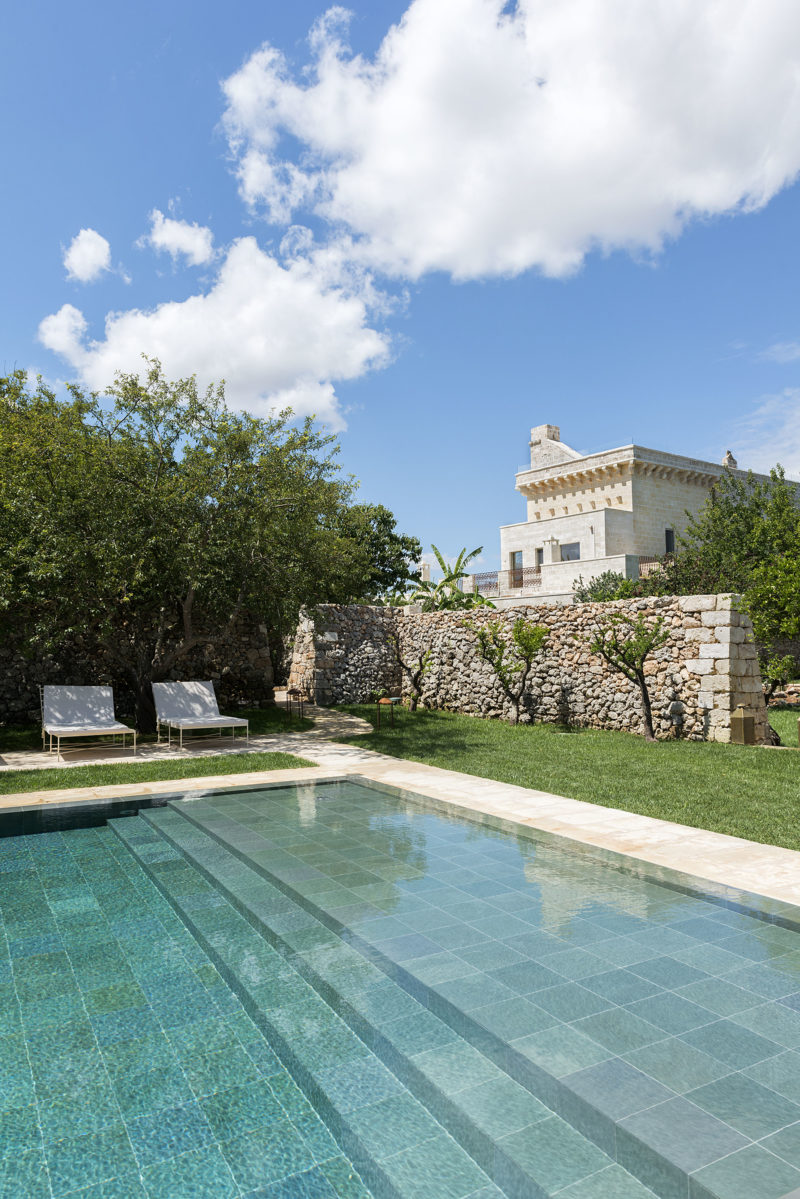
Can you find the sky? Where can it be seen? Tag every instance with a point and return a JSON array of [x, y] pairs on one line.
[[432, 225]]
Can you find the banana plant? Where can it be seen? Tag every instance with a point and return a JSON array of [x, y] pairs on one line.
[[445, 594]]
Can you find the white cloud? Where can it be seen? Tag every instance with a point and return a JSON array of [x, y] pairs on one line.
[[484, 139], [195, 242], [772, 434], [280, 335], [782, 351], [87, 256]]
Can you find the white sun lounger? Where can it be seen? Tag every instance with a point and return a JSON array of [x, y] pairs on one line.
[[69, 712], [185, 706]]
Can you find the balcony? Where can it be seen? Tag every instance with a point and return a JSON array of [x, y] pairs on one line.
[[502, 582]]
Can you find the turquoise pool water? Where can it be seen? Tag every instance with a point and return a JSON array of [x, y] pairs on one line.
[[336, 989]]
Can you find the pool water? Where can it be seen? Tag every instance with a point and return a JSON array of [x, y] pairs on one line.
[[337, 989]]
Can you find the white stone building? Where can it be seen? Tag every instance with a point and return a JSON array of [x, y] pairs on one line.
[[618, 510]]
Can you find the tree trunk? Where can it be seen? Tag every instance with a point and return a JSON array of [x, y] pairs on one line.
[[145, 707], [647, 711]]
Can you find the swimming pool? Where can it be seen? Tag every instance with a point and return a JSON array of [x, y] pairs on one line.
[[392, 998]]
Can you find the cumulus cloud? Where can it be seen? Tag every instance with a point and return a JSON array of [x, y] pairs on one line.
[[179, 238], [772, 434], [485, 138], [87, 256], [279, 334]]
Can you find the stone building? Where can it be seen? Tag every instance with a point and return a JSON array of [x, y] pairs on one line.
[[617, 510]]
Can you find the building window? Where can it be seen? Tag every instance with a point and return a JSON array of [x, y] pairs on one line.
[[571, 552], [515, 568], [539, 558], [669, 538]]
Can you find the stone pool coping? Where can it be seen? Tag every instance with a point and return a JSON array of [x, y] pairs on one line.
[[731, 862]]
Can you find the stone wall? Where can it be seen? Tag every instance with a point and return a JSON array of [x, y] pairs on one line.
[[707, 667], [239, 664], [343, 653]]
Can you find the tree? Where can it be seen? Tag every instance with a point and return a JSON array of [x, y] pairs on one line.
[[626, 644], [512, 657], [413, 668], [610, 585], [150, 521], [391, 556], [446, 595]]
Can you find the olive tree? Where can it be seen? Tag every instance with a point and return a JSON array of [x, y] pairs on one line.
[[626, 643]]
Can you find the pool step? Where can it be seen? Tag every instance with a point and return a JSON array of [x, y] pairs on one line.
[[595, 1102], [527, 1149], [307, 1036]]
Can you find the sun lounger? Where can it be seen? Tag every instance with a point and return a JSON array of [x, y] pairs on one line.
[[70, 712], [187, 706]]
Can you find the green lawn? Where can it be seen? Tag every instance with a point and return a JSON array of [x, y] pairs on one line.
[[743, 791], [112, 773], [784, 722]]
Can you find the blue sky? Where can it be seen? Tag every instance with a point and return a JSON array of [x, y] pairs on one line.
[[435, 225]]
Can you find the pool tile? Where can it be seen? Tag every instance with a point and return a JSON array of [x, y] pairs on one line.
[[668, 972], [560, 1050], [570, 1001], [81, 1161], [455, 1066], [611, 1183], [527, 976], [518, 1017], [265, 1155], [671, 1012], [621, 986], [357, 1085], [501, 1106], [19, 1128], [719, 996], [414, 1034], [553, 1153], [169, 1133], [676, 1064], [392, 1125], [616, 1088], [241, 1108], [619, 1030], [773, 1020], [737, 1047], [222, 1068], [201, 1173], [474, 990], [681, 1133], [746, 1105], [142, 1094], [24, 1173], [311, 1184], [436, 1167], [750, 1172], [781, 1074]]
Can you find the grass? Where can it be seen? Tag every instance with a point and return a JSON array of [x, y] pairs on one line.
[[12, 782], [784, 722], [740, 790], [262, 721]]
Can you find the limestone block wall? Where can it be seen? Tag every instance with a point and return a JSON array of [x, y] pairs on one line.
[[707, 667]]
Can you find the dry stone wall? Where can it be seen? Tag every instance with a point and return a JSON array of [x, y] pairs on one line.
[[706, 668], [239, 664]]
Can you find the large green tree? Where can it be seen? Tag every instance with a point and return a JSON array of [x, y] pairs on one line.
[[148, 519]]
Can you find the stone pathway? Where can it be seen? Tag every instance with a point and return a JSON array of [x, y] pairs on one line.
[[327, 725]]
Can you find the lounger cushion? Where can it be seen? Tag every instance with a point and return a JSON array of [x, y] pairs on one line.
[[85, 730], [185, 701], [79, 710], [210, 722]]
